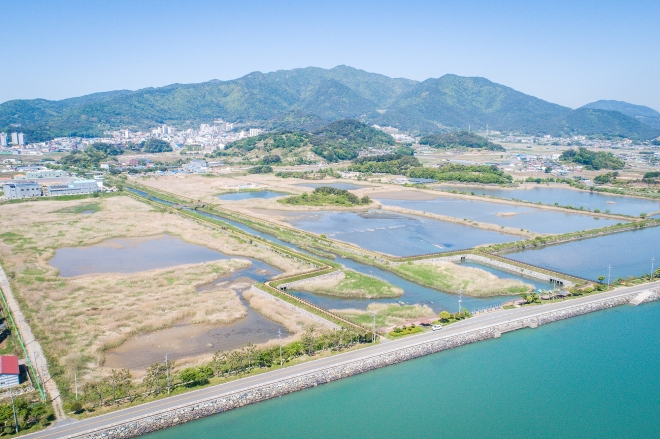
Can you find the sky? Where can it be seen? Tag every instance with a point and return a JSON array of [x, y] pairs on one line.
[[569, 52]]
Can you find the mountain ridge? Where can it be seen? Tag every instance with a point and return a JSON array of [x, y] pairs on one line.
[[644, 114], [311, 96]]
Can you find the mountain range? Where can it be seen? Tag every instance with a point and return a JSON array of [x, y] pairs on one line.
[[648, 116], [307, 98]]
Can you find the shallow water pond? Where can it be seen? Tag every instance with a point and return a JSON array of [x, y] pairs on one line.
[[566, 197], [395, 234], [519, 217], [249, 195], [629, 254], [131, 255]]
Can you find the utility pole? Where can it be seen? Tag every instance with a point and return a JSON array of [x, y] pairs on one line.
[[11, 395], [460, 299], [279, 334], [609, 270], [167, 368], [75, 377], [652, 266], [373, 333]]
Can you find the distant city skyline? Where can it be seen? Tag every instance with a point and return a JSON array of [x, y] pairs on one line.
[[569, 53]]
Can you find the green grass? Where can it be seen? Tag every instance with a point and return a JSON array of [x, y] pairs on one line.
[[356, 285], [368, 287], [92, 207], [406, 330]]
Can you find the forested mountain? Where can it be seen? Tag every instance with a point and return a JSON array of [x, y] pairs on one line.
[[648, 116], [452, 102], [308, 98]]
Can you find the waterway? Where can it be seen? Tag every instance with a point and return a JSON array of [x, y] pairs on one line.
[[413, 293], [628, 253], [519, 217], [566, 197], [587, 377], [249, 195]]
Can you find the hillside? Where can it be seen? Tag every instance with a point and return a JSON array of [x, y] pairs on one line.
[[604, 122], [309, 98], [592, 159], [455, 102], [648, 116], [459, 139], [339, 140]]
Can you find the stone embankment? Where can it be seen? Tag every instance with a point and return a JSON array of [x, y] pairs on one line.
[[501, 265], [207, 407]]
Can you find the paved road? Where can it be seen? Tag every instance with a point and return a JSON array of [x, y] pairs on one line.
[[75, 428], [32, 346]]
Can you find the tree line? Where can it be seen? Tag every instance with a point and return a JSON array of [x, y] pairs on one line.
[[121, 387]]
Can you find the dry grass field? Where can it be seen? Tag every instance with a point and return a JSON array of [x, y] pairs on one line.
[[77, 318]]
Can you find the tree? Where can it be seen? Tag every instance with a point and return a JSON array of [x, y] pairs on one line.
[[195, 376], [156, 377], [445, 316], [271, 159], [308, 340], [155, 146]]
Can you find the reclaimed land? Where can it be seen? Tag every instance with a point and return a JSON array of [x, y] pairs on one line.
[[452, 278], [78, 318], [350, 284], [137, 421], [290, 234]]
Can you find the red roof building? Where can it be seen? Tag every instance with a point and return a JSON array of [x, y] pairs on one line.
[[9, 365]]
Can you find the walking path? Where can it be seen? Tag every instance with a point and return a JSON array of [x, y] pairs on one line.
[[137, 420], [32, 346]]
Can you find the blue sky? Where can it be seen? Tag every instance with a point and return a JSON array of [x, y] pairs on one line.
[[568, 52]]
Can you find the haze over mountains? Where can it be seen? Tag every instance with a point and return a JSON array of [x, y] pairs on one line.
[[307, 98]]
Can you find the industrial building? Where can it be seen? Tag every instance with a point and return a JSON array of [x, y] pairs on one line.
[[28, 189], [77, 187]]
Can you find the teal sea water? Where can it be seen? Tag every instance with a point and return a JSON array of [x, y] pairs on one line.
[[593, 376]]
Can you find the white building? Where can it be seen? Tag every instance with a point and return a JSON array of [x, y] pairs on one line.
[[254, 132], [14, 138], [21, 139], [15, 191], [77, 187], [3, 139], [48, 173]]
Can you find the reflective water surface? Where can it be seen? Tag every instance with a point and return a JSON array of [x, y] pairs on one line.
[[248, 195], [519, 217], [570, 379], [565, 197]]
